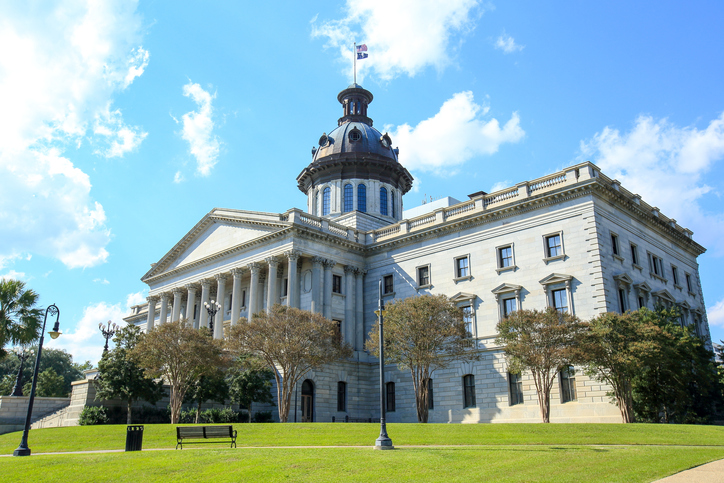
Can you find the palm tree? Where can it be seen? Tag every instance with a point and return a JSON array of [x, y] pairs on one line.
[[20, 320]]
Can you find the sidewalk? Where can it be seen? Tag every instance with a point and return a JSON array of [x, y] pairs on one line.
[[709, 473]]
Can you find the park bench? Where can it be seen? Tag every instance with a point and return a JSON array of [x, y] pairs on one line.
[[347, 419], [204, 432]]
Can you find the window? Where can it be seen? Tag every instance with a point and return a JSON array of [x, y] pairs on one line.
[[568, 384], [509, 306], [325, 201], [554, 248], [390, 397], [348, 198], [469, 391], [383, 201], [675, 274], [362, 198], [336, 284], [195, 311], [423, 276], [337, 328], [388, 284], [614, 244], [634, 254], [560, 300], [243, 299], [515, 386], [341, 396], [622, 300], [462, 267], [656, 266], [229, 307], [468, 318], [688, 283], [430, 398], [641, 302], [392, 202], [505, 257], [285, 287]]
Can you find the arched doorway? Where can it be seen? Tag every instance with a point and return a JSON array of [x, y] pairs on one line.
[[307, 401]]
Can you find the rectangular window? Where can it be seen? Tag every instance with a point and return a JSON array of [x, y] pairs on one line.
[[336, 284], [341, 396], [641, 302], [505, 257], [243, 298], [622, 300], [554, 248], [688, 283], [469, 391], [388, 285], [285, 287], [390, 402], [430, 398], [468, 318], [229, 307], [337, 328], [568, 384], [195, 311], [675, 274], [423, 276], [614, 243], [509, 306], [634, 254], [656, 265], [515, 385], [560, 300], [462, 267]]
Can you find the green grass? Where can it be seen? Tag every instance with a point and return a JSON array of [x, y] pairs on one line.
[[480, 452]]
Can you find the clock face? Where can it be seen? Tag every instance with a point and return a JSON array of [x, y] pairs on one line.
[[323, 140]]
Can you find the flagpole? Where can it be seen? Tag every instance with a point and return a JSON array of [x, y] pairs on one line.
[[354, 61]]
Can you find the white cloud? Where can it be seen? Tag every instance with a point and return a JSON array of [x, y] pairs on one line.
[[13, 275], [403, 37], [715, 314], [178, 177], [61, 66], [667, 166], [102, 281], [500, 185], [456, 134], [85, 341], [198, 129], [507, 44]]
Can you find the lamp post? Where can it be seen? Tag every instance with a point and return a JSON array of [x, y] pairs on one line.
[[22, 354], [212, 308], [384, 441], [108, 332], [23, 449]]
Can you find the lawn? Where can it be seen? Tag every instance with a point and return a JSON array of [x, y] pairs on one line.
[[481, 452]]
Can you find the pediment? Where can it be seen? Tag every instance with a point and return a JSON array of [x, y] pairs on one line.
[[463, 297], [623, 278], [685, 305], [556, 278], [642, 287], [665, 295], [506, 288]]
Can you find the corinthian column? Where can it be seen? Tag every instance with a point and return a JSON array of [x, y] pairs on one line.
[[271, 283], [349, 298], [220, 294], [316, 283], [328, 265], [203, 315], [164, 309], [236, 273], [359, 310], [292, 280], [151, 317], [190, 302], [176, 311], [254, 269]]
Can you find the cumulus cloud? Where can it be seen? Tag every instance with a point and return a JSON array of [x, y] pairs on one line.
[[198, 129], [456, 134], [85, 342], [403, 37], [507, 44], [102, 281], [715, 314], [13, 275], [500, 185], [178, 177], [667, 165], [65, 63]]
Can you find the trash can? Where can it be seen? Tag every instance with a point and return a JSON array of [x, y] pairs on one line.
[[134, 438]]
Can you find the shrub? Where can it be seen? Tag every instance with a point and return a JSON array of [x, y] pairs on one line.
[[263, 417], [152, 415], [188, 416], [91, 415]]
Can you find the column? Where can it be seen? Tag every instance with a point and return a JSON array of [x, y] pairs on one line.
[[328, 265], [176, 311], [236, 273], [316, 284], [359, 306], [190, 302], [220, 295], [271, 283], [517, 300], [150, 319], [254, 269], [164, 309], [292, 280], [349, 297], [203, 315], [570, 297]]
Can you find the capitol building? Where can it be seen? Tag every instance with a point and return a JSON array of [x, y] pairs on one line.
[[575, 240]]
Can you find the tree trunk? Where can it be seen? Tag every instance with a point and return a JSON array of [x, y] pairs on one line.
[[198, 412], [249, 410], [128, 414]]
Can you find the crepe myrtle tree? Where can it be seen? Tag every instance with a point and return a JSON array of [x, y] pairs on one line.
[[423, 334], [290, 341]]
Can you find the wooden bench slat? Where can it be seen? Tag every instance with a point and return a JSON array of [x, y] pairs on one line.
[[204, 432]]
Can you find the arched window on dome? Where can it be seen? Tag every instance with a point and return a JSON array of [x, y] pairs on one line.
[[325, 201], [383, 201], [392, 202], [348, 198], [362, 198]]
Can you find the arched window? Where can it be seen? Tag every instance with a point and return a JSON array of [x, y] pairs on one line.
[[383, 201], [348, 198], [362, 198], [392, 200], [325, 201]]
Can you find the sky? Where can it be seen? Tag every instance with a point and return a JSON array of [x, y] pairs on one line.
[[123, 123]]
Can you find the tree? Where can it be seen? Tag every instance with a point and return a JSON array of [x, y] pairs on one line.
[[181, 355], [250, 382], [20, 320], [57, 359], [543, 342], [120, 376], [290, 341], [211, 387], [423, 334], [50, 384]]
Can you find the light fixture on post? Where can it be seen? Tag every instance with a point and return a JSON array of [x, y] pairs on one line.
[[23, 449], [212, 308], [23, 353], [384, 441], [108, 332]]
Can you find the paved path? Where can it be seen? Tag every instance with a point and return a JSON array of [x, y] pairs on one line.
[[709, 473]]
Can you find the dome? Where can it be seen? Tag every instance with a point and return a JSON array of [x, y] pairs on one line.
[[355, 137]]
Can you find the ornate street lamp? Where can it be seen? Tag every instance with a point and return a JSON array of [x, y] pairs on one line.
[[212, 308], [108, 332], [23, 354], [23, 449], [384, 441]]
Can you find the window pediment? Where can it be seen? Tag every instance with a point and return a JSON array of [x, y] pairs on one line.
[[665, 295], [506, 288], [623, 278], [642, 287], [463, 297], [556, 278]]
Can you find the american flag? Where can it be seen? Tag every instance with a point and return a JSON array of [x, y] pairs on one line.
[[362, 48]]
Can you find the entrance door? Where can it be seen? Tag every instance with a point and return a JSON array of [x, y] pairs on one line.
[[307, 401]]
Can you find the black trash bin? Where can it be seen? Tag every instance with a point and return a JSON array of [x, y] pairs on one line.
[[134, 438]]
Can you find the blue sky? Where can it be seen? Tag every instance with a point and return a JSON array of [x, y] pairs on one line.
[[122, 124]]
